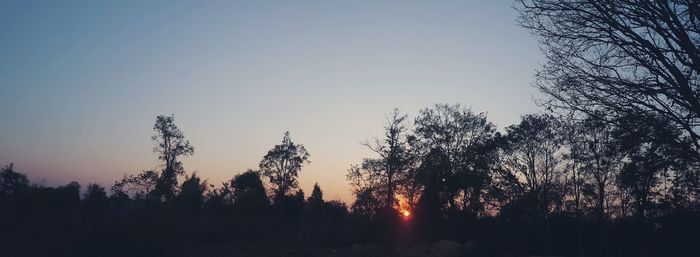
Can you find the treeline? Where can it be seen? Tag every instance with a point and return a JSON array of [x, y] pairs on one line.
[[549, 184], [152, 214], [454, 161]]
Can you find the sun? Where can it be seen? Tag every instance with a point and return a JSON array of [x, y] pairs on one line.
[[403, 207]]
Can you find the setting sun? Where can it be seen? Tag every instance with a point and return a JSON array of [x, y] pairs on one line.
[[406, 213]]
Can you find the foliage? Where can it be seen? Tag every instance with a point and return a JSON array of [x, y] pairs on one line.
[[191, 195], [12, 182], [282, 164], [170, 144], [248, 191], [316, 198], [140, 186], [465, 139], [395, 159], [95, 196]]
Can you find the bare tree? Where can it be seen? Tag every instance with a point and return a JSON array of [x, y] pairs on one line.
[[395, 158], [600, 159], [620, 57], [576, 180]]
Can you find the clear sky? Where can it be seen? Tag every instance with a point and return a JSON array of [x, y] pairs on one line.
[[82, 82]]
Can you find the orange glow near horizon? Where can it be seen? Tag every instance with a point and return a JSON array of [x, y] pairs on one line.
[[403, 207]]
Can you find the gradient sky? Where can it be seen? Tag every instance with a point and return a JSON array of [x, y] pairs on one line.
[[81, 83]]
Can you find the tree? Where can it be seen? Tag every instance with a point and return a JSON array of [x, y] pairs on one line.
[[577, 185], [282, 164], [600, 158], [141, 186], [476, 163], [409, 187], [95, 196], [366, 203], [68, 196], [532, 162], [219, 198], [367, 189], [651, 154], [464, 138], [395, 158], [615, 58], [432, 174], [316, 198], [248, 191], [191, 195], [170, 144], [12, 182]]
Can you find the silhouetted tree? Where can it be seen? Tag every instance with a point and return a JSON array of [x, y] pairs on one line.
[[67, 196], [191, 195], [141, 186], [218, 198], [600, 158], [531, 166], [170, 144], [316, 198], [395, 159], [463, 138], [368, 190], [409, 187], [335, 228], [282, 164], [576, 182], [12, 182], [249, 192], [431, 206], [325, 222], [615, 58], [477, 162], [299, 195], [95, 196], [651, 153], [366, 203]]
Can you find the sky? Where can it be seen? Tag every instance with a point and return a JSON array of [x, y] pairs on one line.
[[81, 82]]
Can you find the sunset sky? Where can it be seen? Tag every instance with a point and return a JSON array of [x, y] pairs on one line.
[[81, 84]]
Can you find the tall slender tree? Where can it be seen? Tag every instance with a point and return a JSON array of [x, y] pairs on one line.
[[600, 158], [170, 145]]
